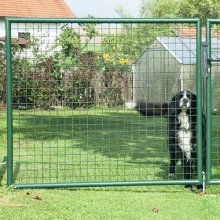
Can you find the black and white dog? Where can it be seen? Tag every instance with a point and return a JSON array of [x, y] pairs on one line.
[[182, 126], [182, 129]]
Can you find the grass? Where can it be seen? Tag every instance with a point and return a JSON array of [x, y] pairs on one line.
[[108, 203], [97, 145]]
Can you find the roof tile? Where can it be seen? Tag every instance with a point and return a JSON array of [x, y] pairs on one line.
[[35, 8], [190, 32]]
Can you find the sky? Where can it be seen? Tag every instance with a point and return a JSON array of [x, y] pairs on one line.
[[103, 8]]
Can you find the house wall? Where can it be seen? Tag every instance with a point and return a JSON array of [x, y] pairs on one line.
[[2, 28], [45, 34], [47, 29]]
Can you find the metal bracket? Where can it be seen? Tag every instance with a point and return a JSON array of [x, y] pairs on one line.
[[213, 60], [4, 162], [204, 58], [203, 181]]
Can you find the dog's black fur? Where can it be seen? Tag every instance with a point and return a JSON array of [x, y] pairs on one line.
[[182, 126], [149, 108]]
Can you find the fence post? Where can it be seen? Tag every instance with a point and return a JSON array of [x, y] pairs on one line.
[[199, 100], [9, 104]]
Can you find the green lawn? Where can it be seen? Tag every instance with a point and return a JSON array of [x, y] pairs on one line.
[[95, 145], [108, 203]]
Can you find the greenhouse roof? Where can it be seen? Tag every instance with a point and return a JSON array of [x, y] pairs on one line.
[[184, 49]]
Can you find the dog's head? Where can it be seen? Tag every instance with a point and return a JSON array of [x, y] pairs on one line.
[[184, 101]]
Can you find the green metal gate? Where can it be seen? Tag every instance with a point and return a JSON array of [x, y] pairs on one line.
[[67, 84], [213, 101]]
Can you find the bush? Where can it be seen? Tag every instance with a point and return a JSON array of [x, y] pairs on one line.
[[65, 73], [79, 81], [2, 77]]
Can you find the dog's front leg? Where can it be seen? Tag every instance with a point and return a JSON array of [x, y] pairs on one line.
[[187, 170], [172, 166]]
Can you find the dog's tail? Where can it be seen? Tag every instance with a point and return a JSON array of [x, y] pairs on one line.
[[148, 108]]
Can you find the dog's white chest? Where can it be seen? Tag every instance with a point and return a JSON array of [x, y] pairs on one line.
[[183, 120], [185, 134]]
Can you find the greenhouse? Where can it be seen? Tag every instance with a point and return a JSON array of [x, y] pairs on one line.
[[168, 65]]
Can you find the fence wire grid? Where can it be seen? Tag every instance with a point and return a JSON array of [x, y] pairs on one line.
[[71, 83], [214, 89]]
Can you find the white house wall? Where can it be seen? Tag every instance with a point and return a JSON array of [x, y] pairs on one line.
[[46, 33], [2, 28]]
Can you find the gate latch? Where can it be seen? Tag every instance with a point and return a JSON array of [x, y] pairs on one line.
[[205, 61]]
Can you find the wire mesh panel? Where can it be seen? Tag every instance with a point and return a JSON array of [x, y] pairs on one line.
[[213, 100], [90, 101]]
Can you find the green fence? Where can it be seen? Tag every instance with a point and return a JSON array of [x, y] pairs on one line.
[[213, 101], [67, 84]]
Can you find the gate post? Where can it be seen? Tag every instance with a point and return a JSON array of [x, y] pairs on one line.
[[199, 100], [209, 89], [9, 105]]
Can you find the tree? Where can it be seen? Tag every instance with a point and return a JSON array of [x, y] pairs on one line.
[[202, 9], [159, 8]]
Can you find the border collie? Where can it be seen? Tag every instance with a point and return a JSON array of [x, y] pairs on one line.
[[182, 126]]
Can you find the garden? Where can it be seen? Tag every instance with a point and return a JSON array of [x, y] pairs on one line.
[[70, 125]]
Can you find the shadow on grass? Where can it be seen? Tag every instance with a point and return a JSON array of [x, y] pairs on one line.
[[120, 136], [113, 135], [133, 144], [134, 189]]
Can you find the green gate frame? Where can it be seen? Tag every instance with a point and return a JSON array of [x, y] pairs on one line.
[[209, 177], [10, 176]]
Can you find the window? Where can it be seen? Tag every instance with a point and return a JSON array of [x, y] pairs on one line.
[[25, 35]]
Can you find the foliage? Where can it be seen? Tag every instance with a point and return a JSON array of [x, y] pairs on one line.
[[199, 8], [34, 85], [122, 49], [202, 9], [69, 40], [82, 68], [40, 81], [2, 76], [79, 81], [116, 53], [15, 50], [159, 8], [115, 84], [68, 73], [78, 66], [133, 39], [116, 62]]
